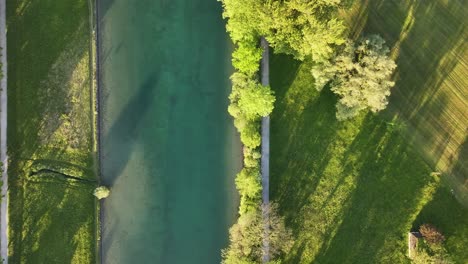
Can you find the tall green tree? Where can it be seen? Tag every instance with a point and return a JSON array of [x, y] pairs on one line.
[[360, 75], [247, 235], [256, 101]]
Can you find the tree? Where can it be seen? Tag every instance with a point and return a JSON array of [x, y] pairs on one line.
[[246, 57], [248, 182], [249, 133], [256, 101], [247, 235], [251, 157], [305, 29], [359, 75], [101, 192]]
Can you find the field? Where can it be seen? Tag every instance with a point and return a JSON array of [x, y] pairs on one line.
[[50, 131], [352, 190], [428, 42]]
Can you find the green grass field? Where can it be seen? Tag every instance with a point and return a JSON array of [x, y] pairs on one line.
[[351, 190], [50, 133], [428, 42]]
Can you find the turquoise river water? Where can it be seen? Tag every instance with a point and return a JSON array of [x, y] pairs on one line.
[[168, 147]]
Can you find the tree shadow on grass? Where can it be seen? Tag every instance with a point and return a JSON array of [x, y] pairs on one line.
[[300, 138], [390, 180], [428, 40], [37, 36], [56, 223]]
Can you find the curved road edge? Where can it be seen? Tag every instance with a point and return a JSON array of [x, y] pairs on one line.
[[3, 137]]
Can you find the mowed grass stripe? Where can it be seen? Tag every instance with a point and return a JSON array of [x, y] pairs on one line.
[[428, 41]]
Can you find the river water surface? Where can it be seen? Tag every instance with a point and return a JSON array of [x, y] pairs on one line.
[[168, 147]]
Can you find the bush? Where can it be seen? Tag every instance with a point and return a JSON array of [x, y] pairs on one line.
[[101, 192], [431, 234]]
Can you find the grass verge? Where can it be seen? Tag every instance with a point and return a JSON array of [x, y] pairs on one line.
[[50, 130], [350, 190]]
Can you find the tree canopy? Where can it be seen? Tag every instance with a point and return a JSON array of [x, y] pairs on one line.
[[360, 75], [247, 236], [302, 28]]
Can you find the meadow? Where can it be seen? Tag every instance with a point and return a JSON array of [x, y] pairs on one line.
[[350, 191], [52, 168]]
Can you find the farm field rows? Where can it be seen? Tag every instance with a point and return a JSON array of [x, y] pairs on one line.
[[51, 214]]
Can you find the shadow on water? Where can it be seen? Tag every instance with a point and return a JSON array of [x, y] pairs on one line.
[[123, 130]]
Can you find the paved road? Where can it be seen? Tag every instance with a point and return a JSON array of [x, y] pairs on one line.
[[3, 140], [265, 161]]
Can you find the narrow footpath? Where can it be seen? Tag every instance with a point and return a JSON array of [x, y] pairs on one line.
[[3, 137], [265, 161]]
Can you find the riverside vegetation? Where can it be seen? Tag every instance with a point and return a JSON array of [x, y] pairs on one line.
[[359, 74]]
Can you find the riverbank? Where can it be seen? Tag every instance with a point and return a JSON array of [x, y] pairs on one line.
[[50, 128]]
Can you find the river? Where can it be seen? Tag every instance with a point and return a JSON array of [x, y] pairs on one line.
[[169, 150]]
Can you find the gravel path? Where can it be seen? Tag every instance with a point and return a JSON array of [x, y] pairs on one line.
[[3, 139], [265, 161]]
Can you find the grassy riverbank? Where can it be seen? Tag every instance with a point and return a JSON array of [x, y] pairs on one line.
[[350, 190], [52, 216]]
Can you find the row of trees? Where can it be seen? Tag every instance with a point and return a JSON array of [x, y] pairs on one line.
[[359, 73], [309, 30]]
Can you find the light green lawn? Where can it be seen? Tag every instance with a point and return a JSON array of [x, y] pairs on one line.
[[52, 220]]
